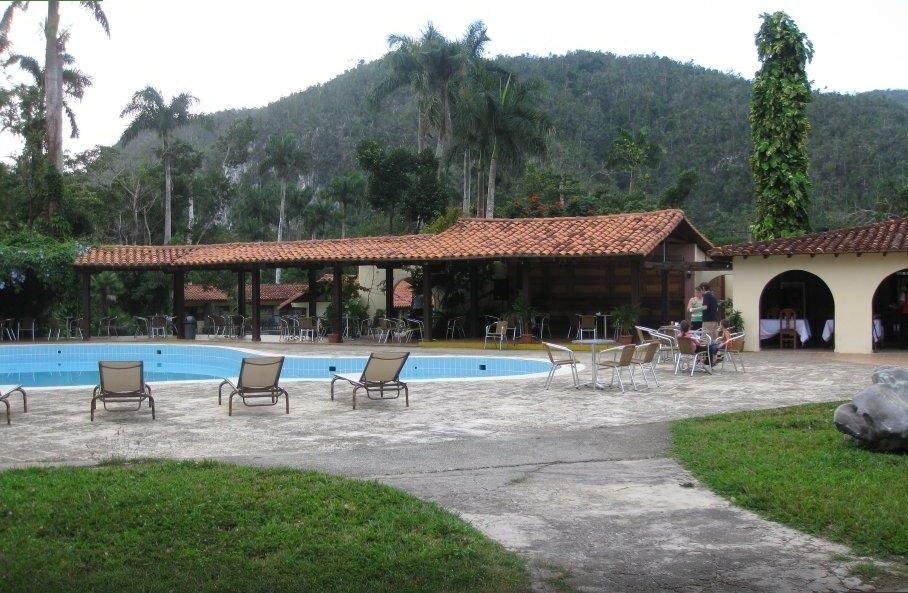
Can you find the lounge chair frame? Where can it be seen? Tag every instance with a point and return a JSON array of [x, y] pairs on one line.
[[4, 397], [112, 389], [248, 387], [382, 383]]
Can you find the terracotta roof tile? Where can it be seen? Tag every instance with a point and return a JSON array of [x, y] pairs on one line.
[[473, 238], [889, 235], [403, 295]]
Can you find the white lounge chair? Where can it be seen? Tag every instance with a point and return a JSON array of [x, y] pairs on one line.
[[258, 379], [380, 375], [121, 382]]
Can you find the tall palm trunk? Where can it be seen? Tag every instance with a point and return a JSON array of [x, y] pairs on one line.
[[190, 218], [444, 128], [168, 195], [420, 128], [53, 97], [343, 219], [466, 183], [480, 200], [280, 226], [490, 195]]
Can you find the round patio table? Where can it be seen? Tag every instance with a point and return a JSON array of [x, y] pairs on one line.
[[593, 344]]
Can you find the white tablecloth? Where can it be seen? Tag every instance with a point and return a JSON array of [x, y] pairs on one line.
[[829, 330], [771, 327]]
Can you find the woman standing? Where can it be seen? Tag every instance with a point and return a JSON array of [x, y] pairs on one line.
[[695, 307]]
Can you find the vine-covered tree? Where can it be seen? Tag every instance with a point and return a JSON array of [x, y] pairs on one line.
[[779, 129], [150, 112]]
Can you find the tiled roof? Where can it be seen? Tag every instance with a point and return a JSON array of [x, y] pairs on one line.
[[472, 238], [278, 293], [890, 235], [403, 295]]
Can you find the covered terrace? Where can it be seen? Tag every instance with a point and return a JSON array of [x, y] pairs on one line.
[[565, 264]]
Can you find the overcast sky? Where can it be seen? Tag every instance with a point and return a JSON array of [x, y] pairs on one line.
[[233, 54]]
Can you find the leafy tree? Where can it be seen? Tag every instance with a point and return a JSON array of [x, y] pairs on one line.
[[348, 190], [388, 176], [318, 212], [635, 155], [779, 129], [285, 160], [675, 196], [151, 113]]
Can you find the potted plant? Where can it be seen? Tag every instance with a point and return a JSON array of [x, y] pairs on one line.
[[625, 317], [526, 315], [734, 317]]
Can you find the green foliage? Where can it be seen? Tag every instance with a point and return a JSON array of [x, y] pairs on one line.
[[442, 222], [676, 195], [734, 317], [524, 312], [625, 317], [792, 466], [36, 275], [779, 129], [207, 527]]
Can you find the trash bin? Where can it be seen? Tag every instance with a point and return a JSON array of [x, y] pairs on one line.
[[189, 327]]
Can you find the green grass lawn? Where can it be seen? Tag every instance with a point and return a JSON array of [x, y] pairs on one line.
[[183, 526], [792, 466]]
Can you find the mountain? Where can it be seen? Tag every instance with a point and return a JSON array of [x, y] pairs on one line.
[[859, 143]]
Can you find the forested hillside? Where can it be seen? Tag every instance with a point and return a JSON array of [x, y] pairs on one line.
[[699, 117]]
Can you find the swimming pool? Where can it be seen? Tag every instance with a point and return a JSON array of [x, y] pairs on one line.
[[67, 365]]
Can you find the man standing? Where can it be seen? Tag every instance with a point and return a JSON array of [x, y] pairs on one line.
[[710, 310]]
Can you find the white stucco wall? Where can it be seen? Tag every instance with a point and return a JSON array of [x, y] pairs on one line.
[[370, 278], [852, 280]]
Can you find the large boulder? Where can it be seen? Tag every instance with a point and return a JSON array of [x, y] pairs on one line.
[[877, 418]]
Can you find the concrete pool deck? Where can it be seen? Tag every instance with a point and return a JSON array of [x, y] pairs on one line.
[[581, 483]]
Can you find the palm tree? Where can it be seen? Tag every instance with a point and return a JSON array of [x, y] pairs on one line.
[[54, 62], [151, 112], [74, 81], [317, 214], [503, 124], [347, 190], [435, 68], [285, 159]]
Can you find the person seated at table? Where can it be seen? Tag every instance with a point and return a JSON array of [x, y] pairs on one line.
[[724, 336], [687, 334]]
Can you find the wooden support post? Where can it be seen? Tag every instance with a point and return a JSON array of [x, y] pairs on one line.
[[427, 302], [86, 306], [256, 305], [179, 302], [389, 292], [311, 291], [337, 324], [635, 283], [241, 292], [664, 279], [474, 300], [525, 280]]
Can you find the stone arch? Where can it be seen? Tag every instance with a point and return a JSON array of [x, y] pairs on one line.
[[812, 299]]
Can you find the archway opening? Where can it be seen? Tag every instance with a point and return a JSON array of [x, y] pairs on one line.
[[890, 314], [813, 306]]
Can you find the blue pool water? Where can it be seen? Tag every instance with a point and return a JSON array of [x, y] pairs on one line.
[[77, 364]]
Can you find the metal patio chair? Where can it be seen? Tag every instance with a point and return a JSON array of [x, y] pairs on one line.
[[621, 358], [561, 356]]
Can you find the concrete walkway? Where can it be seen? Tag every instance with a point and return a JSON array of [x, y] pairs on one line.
[[582, 484]]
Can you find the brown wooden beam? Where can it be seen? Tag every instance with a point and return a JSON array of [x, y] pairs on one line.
[[241, 292], [179, 302], [688, 266], [427, 302], [311, 292], [389, 292], [256, 305], [337, 324], [636, 268], [664, 281], [474, 300], [86, 306]]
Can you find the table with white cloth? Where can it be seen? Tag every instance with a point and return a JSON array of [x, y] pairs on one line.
[[772, 327], [877, 329]]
